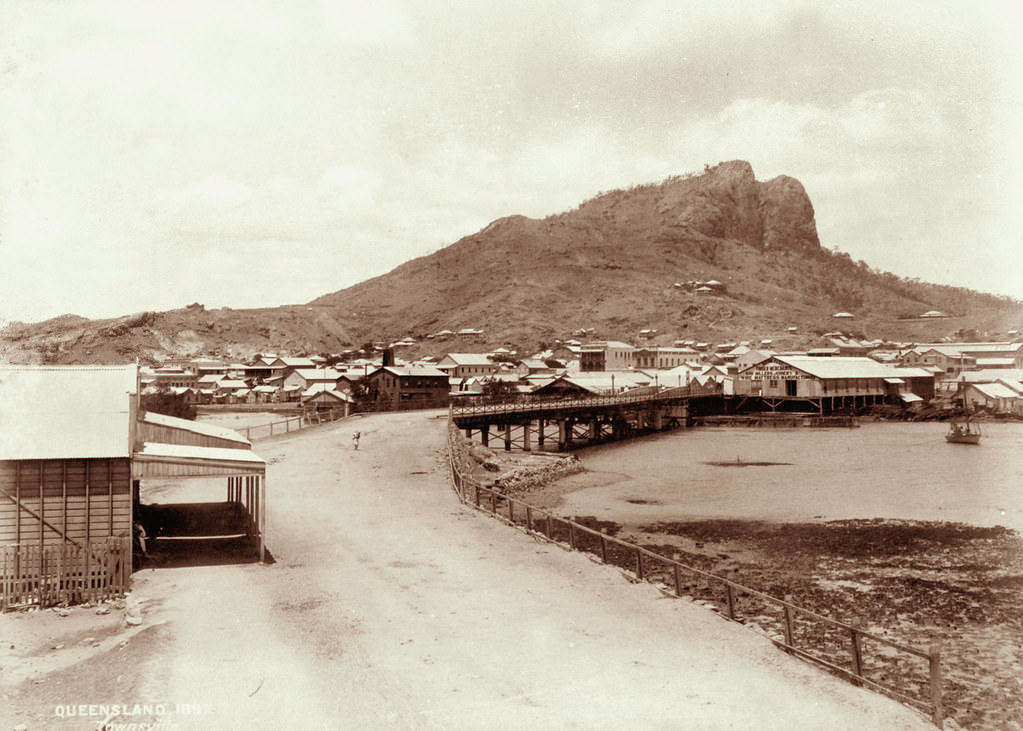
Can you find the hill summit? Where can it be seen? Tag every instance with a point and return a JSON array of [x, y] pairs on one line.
[[622, 262]]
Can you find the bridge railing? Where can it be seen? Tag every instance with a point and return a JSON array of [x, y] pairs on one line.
[[482, 405], [909, 675]]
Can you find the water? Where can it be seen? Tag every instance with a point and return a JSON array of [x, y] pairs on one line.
[[879, 470]]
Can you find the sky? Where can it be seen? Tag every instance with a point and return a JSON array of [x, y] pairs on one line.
[[246, 154]]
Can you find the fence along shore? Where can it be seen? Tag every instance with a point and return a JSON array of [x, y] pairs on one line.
[[839, 648]]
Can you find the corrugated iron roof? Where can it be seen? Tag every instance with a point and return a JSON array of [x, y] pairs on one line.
[[995, 390], [846, 367], [196, 427], [194, 460], [468, 359], [65, 412]]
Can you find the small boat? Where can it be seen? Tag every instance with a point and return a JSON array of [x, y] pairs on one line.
[[963, 431]]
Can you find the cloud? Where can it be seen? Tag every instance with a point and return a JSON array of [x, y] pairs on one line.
[[360, 23]]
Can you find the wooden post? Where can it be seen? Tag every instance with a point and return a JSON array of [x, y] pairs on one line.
[[550, 527], [507, 437], [639, 564], [63, 498], [730, 600], [678, 579], [42, 510], [110, 497], [485, 435], [526, 446], [529, 517], [857, 657], [511, 510], [789, 634], [571, 535], [938, 712], [540, 424], [262, 518], [60, 573], [5, 581]]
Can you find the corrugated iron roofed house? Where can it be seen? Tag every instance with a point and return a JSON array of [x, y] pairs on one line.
[[73, 444], [65, 476], [836, 381], [407, 387]]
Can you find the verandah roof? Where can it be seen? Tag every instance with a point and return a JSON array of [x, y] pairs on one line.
[[182, 460]]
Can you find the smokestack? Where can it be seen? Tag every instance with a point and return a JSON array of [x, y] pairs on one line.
[[388, 357]]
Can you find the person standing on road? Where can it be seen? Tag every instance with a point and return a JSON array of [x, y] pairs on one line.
[[355, 440]]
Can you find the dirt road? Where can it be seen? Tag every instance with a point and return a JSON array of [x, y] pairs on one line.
[[391, 606]]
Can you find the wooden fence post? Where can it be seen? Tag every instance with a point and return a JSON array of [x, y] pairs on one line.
[[678, 579], [529, 517], [730, 600], [639, 564], [938, 714], [789, 634], [603, 546], [857, 657], [550, 527], [571, 535]]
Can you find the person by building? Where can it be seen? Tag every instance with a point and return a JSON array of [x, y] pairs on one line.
[[140, 538]]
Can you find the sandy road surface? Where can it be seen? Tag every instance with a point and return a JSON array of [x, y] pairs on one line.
[[391, 606]]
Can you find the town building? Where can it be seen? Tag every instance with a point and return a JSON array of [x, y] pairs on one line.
[[610, 355], [305, 378], [466, 365], [397, 388], [832, 383], [662, 358]]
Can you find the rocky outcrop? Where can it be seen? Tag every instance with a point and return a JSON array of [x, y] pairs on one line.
[[727, 202]]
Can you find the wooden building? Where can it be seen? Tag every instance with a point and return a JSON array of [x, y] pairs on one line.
[[75, 449], [65, 482], [397, 388], [467, 365], [833, 383]]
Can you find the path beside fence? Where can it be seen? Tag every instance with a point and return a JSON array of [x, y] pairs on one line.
[[909, 675]]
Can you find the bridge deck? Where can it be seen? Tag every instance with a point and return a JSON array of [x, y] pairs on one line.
[[525, 409]]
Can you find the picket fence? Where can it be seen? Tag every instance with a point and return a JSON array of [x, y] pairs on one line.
[[65, 573]]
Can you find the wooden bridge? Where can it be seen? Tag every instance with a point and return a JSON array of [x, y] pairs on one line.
[[577, 421]]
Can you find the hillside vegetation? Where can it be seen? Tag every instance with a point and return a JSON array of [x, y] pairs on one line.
[[619, 263]]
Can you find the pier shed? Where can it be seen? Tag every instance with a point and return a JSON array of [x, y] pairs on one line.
[[830, 383]]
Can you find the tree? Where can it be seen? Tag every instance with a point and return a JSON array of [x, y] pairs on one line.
[[164, 401], [499, 390]]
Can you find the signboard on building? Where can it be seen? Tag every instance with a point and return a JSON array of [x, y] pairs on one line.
[[773, 371]]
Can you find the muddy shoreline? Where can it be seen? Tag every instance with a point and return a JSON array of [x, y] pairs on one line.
[[922, 583]]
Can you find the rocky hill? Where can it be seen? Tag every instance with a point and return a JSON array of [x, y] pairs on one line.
[[621, 262]]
